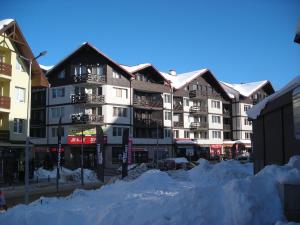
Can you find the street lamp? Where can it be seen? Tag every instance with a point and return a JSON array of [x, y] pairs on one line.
[[28, 124]]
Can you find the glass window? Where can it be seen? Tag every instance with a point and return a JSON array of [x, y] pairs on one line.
[[18, 126], [61, 74], [215, 104], [246, 107], [116, 75], [167, 98], [58, 92], [20, 94], [216, 134], [168, 115], [216, 119]]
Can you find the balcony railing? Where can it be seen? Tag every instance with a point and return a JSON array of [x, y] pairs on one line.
[[147, 123], [178, 107], [89, 78], [87, 98], [87, 118], [4, 102], [198, 109], [148, 103], [226, 126], [199, 125], [198, 94], [178, 124], [4, 135], [5, 69]]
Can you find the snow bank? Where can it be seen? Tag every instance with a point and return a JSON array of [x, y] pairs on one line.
[[223, 193], [66, 175]]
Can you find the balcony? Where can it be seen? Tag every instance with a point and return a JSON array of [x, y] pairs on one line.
[[89, 78], [226, 127], [4, 102], [198, 109], [178, 107], [87, 119], [4, 135], [87, 99], [226, 113], [178, 124], [5, 69], [149, 123], [199, 125], [147, 103], [198, 94]]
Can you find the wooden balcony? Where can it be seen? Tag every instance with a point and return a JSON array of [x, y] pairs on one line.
[[89, 78], [4, 102], [87, 119], [178, 124], [149, 123], [147, 103], [199, 125], [5, 69], [198, 109], [4, 135], [87, 99]]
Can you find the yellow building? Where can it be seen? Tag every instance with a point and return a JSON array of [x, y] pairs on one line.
[[14, 77]]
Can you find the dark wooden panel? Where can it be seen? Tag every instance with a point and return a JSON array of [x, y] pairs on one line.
[[258, 144]]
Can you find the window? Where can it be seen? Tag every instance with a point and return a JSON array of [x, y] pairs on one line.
[[54, 131], [18, 126], [121, 92], [19, 66], [246, 107], [20, 94], [79, 90], [117, 131], [58, 92], [119, 111], [247, 135], [201, 135], [61, 74], [186, 134], [167, 133], [168, 115], [216, 134], [216, 119], [186, 102], [116, 154], [167, 98], [57, 112], [116, 75], [79, 70], [176, 133], [247, 122], [215, 104], [98, 70]]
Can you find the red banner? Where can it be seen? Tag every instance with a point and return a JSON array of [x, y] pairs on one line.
[[77, 140]]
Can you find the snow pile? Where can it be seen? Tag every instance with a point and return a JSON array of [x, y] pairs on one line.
[[66, 175], [223, 193], [136, 172]]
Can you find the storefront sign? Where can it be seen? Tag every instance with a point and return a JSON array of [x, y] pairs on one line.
[[77, 140], [78, 132]]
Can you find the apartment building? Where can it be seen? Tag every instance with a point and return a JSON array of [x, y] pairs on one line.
[[201, 113], [244, 96], [14, 81]]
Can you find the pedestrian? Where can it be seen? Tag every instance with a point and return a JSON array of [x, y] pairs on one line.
[[3, 205]]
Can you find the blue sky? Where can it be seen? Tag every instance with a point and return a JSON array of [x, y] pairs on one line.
[[238, 40]]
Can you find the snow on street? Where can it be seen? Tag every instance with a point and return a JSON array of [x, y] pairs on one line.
[[223, 193]]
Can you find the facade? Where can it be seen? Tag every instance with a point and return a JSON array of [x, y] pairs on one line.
[[14, 81], [243, 97]]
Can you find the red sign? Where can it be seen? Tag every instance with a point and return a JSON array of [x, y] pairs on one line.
[[53, 149], [77, 140], [215, 147], [129, 150]]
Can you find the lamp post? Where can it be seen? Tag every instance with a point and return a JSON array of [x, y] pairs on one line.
[[28, 124]]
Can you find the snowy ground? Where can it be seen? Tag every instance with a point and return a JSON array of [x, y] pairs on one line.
[[223, 193], [66, 175]]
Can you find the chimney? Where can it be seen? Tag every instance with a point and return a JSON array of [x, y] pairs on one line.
[[172, 72]]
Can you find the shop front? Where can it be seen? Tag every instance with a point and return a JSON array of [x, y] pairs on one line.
[[215, 151]]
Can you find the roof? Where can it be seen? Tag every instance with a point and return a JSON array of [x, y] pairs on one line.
[[245, 89], [182, 79], [15, 35], [132, 69], [86, 44], [256, 110], [43, 67]]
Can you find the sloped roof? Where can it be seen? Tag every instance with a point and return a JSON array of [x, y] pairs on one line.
[[12, 32], [232, 93], [132, 69], [245, 89], [182, 79], [86, 44], [46, 68]]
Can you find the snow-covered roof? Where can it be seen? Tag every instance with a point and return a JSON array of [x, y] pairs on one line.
[[246, 89], [5, 22], [255, 111], [132, 69], [182, 79], [241, 141], [45, 67], [232, 93]]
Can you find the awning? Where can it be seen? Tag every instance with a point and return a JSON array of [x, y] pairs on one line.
[[185, 142]]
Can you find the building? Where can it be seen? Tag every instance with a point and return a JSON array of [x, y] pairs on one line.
[[243, 97], [14, 82]]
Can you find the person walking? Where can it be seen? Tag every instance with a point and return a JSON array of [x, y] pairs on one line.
[[3, 205]]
